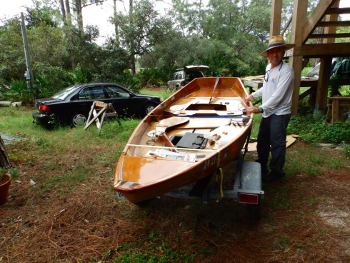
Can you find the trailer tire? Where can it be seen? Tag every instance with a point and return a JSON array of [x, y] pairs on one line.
[[253, 211]]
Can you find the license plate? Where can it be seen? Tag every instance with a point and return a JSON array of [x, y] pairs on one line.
[[120, 195]]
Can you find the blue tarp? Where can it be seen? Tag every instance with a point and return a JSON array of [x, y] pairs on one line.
[[8, 139]]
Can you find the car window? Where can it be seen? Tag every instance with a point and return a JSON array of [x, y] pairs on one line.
[[115, 92], [92, 93], [61, 95], [193, 74], [84, 94]]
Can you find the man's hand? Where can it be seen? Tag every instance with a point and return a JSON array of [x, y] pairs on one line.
[[247, 102], [248, 99], [252, 109]]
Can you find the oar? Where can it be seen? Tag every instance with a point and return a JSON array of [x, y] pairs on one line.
[[216, 83]]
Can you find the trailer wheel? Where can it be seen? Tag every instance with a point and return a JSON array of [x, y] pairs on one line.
[[253, 211]]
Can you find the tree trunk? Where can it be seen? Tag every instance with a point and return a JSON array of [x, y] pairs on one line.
[[66, 15], [115, 21], [4, 160], [69, 21], [79, 15], [63, 11], [132, 44]]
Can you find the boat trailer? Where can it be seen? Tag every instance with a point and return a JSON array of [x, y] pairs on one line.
[[247, 188]]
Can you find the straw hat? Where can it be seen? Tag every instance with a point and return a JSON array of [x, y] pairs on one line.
[[277, 41]]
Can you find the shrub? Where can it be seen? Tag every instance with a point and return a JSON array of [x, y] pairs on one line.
[[311, 130]]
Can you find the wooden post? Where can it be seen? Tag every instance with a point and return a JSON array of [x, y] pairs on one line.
[[275, 24], [323, 83], [296, 61]]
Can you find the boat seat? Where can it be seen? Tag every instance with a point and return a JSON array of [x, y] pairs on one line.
[[189, 140]]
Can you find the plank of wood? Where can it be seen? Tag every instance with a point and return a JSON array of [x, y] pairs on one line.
[[275, 23], [318, 50]]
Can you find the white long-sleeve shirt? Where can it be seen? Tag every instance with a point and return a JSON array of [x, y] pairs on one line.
[[277, 91]]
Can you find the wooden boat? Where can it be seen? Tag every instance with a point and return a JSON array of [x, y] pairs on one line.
[[186, 138]]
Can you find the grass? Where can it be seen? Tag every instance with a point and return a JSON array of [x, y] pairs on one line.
[[159, 92]]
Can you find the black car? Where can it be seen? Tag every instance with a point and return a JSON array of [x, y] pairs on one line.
[[72, 105]]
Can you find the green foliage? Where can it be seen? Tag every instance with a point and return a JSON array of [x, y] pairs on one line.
[[12, 60], [19, 91], [305, 71], [111, 127], [12, 171], [225, 35], [346, 150], [110, 63], [39, 15], [50, 79], [152, 76], [312, 131], [345, 90]]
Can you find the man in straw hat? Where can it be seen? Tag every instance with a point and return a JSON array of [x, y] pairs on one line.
[[276, 93]]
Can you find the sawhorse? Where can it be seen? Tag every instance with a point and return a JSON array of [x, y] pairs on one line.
[[100, 110]]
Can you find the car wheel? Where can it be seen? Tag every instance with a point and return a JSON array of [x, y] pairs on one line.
[[148, 108], [78, 120]]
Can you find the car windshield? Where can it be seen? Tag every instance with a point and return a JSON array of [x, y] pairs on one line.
[[61, 95]]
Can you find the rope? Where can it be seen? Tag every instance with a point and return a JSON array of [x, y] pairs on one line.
[[222, 178]]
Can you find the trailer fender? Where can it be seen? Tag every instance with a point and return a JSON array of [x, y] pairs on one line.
[[251, 176]]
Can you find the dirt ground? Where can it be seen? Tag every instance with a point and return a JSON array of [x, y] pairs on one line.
[[304, 219]]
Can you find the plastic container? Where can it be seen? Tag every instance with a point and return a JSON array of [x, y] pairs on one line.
[[5, 181]]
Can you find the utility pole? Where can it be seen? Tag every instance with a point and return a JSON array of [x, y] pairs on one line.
[[29, 73]]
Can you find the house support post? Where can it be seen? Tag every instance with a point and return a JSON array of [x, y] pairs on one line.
[[296, 61], [322, 87]]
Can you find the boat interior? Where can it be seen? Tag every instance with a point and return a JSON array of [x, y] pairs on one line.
[[196, 125]]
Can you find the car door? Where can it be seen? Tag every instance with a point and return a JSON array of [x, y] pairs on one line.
[[83, 100], [120, 98]]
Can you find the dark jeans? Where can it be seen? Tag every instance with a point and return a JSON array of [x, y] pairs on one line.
[[273, 132]]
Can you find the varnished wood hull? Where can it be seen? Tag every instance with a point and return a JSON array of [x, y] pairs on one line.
[[197, 109]]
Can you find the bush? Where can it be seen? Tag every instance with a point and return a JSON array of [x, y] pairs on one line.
[[19, 91], [312, 131], [152, 76]]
